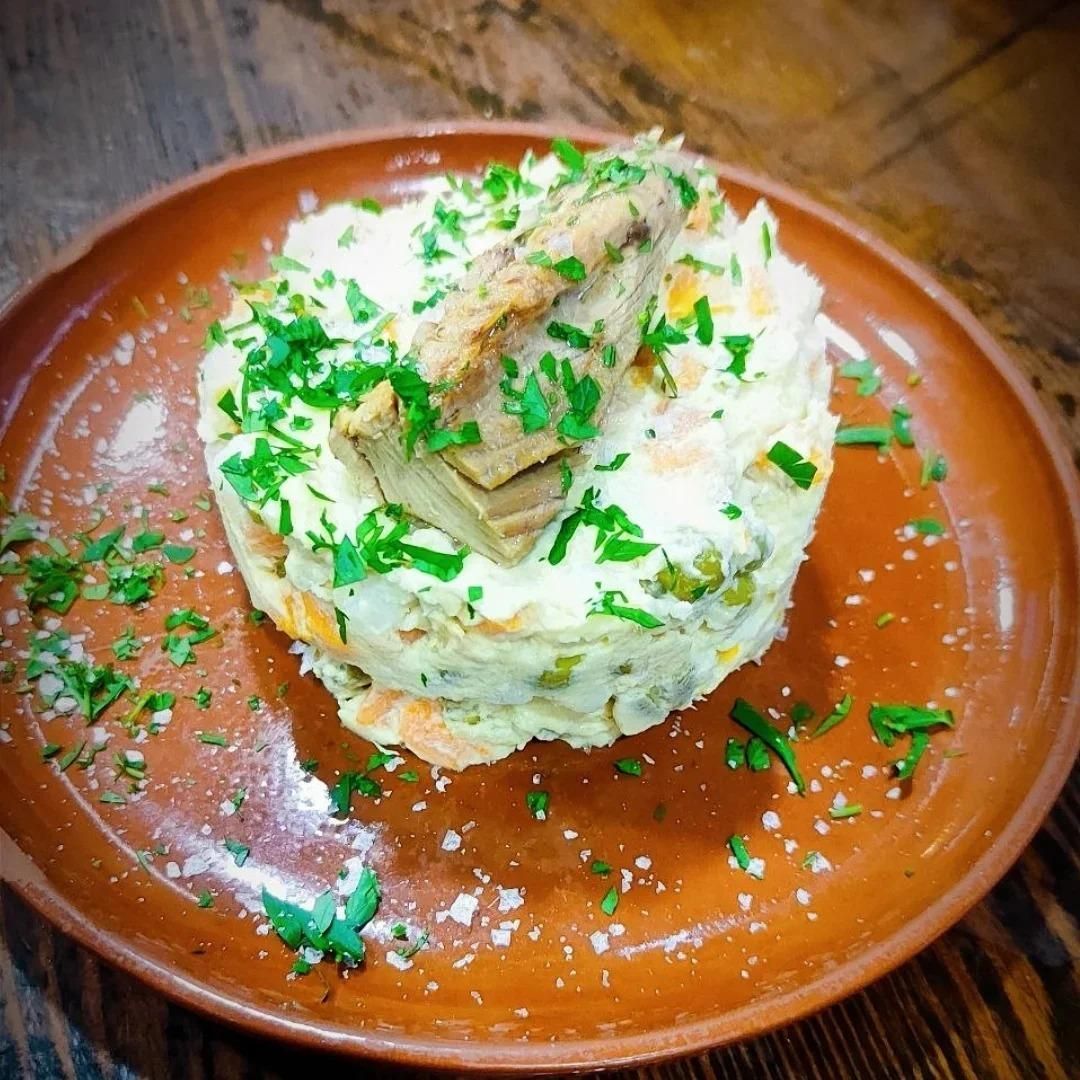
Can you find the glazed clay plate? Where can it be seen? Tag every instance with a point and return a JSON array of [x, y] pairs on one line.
[[98, 388]]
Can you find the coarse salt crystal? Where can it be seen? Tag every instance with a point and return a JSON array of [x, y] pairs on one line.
[[463, 909]]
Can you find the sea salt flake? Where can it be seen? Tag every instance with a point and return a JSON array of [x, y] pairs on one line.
[[463, 909]]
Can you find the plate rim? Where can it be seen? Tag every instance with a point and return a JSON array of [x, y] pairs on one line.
[[18, 870]]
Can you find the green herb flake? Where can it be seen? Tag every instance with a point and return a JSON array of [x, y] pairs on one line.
[[884, 619], [865, 373], [748, 717], [734, 753], [606, 605], [864, 435], [901, 425], [212, 738], [793, 464], [757, 755], [848, 810], [178, 554], [704, 321], [610, 903], [283, 263], [738, 849], [839, 713], [538, 803], [927, 526], [600, 867], [204, 899], [238, 851], [934, 467], [629, 766], [615, 464]]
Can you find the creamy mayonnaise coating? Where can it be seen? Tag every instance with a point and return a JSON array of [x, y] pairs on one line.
[[526, 659]]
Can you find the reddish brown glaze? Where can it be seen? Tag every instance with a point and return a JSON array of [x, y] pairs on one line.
[[990, 612]]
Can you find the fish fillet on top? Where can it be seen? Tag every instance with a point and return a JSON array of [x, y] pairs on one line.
[[536, 455]]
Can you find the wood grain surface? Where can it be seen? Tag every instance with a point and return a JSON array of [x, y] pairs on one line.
[[950, 129]]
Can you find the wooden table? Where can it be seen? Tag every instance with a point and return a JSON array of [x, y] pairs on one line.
[[950, 129]]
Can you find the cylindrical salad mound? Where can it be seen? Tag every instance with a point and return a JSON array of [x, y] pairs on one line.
[[536, 455]]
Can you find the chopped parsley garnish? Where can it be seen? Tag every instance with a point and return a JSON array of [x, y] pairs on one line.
[[583, 396], [52, 581], [616, 533], [738, 849], [409, 951], [204, 899], [731, 511], [529, 403], [659, 339], [630, 766], [538, 803], [180, 647], [864, 435], [699, 264], [574, 336], [884, 619], [736, 270], [350, 783], [748, 717], [369, 205], [422, 305], [178, 554], [927, 526], [766, 241], [92, 687], [704, 327], [571, 268], [320, 928], [839, 713], [566, 476], [610, 902], [202, 697], [738, 347], [347, 238], [606, 605], [600, 867], [934, 467], [616, 463], [901, 425], [378, 545], [865, 372], [20, 528], [688, 195], [569, 155], [757, 755], [793, 464], [127, 646], [848, 810], [362, 308], [212, 738], [889, 721], [238, 851], [734, 753], [282, 263]]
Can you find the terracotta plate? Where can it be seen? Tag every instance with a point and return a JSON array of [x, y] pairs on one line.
[[97, 379]]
